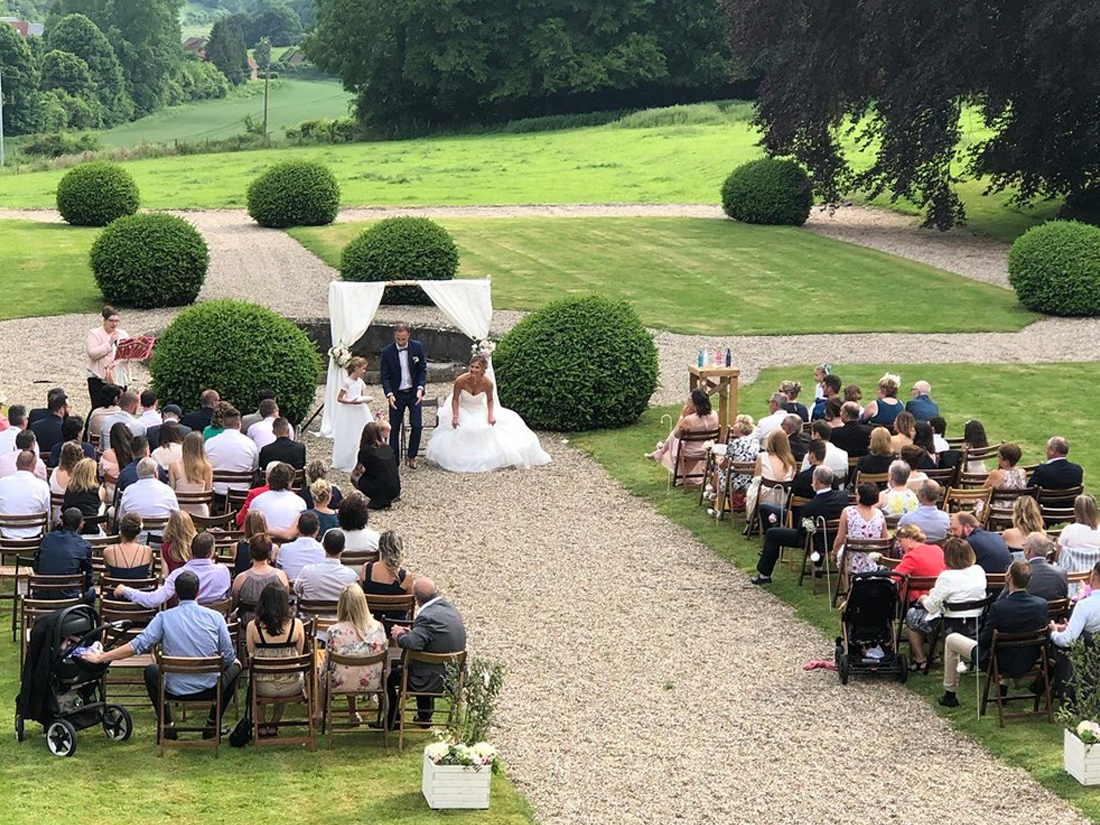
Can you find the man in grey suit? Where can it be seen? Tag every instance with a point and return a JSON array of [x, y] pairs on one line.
[[1047, 581], [437, 628]]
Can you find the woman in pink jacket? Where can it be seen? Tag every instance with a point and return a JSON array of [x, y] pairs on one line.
[[101, 344]]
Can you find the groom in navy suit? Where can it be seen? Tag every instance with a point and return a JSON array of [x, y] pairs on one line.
[[404, 372]]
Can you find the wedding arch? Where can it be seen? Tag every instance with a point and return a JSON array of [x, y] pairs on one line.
[[352, 307]]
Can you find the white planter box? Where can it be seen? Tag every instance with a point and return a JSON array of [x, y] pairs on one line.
[[1082, 761], [456, 786]]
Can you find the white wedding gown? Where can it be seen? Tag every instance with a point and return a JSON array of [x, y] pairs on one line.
[[477, 446]]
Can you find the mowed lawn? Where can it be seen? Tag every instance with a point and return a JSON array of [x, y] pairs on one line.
[[707, 276], [44, 269], [1021, 402]]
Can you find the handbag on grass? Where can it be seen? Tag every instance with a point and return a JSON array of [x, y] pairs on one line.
[[242, 731]]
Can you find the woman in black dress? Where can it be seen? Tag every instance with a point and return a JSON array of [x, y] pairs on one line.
[[386, 577], [379, 480]]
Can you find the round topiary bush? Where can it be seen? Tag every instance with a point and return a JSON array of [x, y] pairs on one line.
[[577, 364], [236, 348], [94, 194], [1055, 268], [768, 191], [152, 260], [294, 193], [401, 249]]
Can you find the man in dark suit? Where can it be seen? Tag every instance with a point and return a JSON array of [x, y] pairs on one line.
[[200, 419], [171, 412], [799, 440], [129, 474], [827, 504], [65, 552], [283, 448], [990, 550], [1018, 612], [1058, 473], [47, 430], [1047, 581], [404, 372], [854, 437], [38, 413], [437, 628], [71, 428]]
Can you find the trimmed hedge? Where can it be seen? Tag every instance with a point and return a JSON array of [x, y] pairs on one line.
[[401, 249], [768, 191], [1055, 268], [580, 363], [94, 194], [294, 193], [152, 260], [236, 348]]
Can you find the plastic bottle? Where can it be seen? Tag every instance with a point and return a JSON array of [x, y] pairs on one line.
[[718, 356], [699, 357]]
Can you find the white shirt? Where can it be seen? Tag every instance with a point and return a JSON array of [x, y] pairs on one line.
[[428, 604], [262, 433], [940, 443], [769, 423], [132, 422], [325, 580], [280, 508], [232, 452], [295, 555], [1079, 536], [7, 465], [21, 494], [836, 460], [151, 418], [149, 497], [360, 540], [7, 439], [168, 454], [406, 373], [966, 585]]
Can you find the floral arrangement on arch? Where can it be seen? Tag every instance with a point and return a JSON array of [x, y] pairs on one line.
[[341, 355], [485, 347]]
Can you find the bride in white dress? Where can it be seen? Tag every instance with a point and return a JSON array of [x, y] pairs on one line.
[[480, 436]]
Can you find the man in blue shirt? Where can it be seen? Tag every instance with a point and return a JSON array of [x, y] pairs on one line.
[[129, 474], [922, 407], [932, 521], [65, 552], [187, 630]]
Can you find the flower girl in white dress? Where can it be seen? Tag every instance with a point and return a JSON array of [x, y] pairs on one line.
[[351, 415], [479, 435]]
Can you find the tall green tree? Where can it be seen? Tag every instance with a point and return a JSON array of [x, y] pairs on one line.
[[77, 34], [226, 48], [904, 71], [64, 70], [21, 103], [274, 20], [262, 54]]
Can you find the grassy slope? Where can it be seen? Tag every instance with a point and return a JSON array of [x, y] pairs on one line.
[[1005, 398], [709, 277], [290, 102], [44, 269]]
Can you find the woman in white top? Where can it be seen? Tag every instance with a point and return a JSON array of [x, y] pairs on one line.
[[101, 344], [776, 463], [351, 415], [70, 456], [898, 499], [280, 505], [353, 515], [962, 581], [1079, 543], [169, 446]]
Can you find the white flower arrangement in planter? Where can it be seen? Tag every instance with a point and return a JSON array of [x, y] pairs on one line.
[[1081, 739]]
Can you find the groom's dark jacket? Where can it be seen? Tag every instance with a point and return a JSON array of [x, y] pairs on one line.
[[390, 367]]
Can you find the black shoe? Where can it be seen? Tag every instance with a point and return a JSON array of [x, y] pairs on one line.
[[208, 732], [949, 699], [759, 578], [170, 734], [1004, 690]]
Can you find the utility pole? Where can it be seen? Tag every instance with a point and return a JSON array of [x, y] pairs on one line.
[[1, 116], [267, 79]]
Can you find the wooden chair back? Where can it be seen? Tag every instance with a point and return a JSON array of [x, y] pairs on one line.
[[880, 480], [234, 500], [1039, 672], [114, 610], [980, 453], [945, 477], [357, 558], [222, 522], [392, 605], [679, 471], [333, 660], [192, 666], [1058, 609], [195, 499], [107, 584], [41, 586], [957, 500], [1079, 577], [316, 607], [39, 522], [972, 481], [438, 659], [1059, 498], [995, 582], [1056, 515], [880, 546], [283, 667]]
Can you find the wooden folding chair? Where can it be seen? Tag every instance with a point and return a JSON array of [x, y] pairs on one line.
[[880, 480], [972, 481], [405, 694], [124, 682], [912, 584], [315, 608], [192, 666], [1001, 502], [20, 553], [107, 584], [957, 500], [299, 480], [995, 583], [1059, 498], [1040, 671], [679, 472], [1056, 515], [1058, 609], [829, 529], [239, 482], [937, 636], [880, 546], [358, 558], [388, 607], [332, 660], [221, 523], [196, 499], [755, 523], [283, 667], [37, 522], [978, 454]]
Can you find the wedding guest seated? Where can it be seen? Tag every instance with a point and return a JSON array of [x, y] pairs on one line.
[[119, 454], [280, 505], [356, 633], [65, 552], [248, 586], [379, 480], [799, 440], [961, 581], [24, 440], [1058, 472], [127, 414], [232, 451], [923, 441], [1047, 581], [835, 458], [939, 431], [186, 630], [1007, 476], [827, 504], [830, 387], [128, 474], [1079, 542], [1027, 518], [59, 479], [108, 406], [898, 498], [801, 487], [915, 457], [853, 393], [169, 445], [321, 493], [274, 634], [696, 416], [743, 448], [1085, 617], [129, 559], [254, 524], [927, 516], [880, 454], [775, 463], [38, 413], [852, 436], [833, 409], [171, 414], [263, 431], [148, 496], [200, 419], [990, 550], [192, 473], [791, 389], [23, 494], [437, 628], [217, 423], [282, 446], [777, 411], [862, 520], [295, 555], [246, 507], [886, 407], [353, 515], [84, 493], [150, 415], [386, 577], [213, 579], [919, 560], [325, 580], [47, 430], [255, 417], [1018, 612], [71, 428], [315, 471], [974, 438], [176, 540], [906, 428], [922, 407]]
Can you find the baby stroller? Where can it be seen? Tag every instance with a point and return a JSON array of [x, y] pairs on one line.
[[63, 692], [867, 624]]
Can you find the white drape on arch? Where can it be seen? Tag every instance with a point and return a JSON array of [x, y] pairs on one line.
[[468, 303], [351, 309]]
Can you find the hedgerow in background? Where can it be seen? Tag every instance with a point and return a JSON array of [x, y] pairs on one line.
[[236, 348], [152, 260], [401, 249], [294, 193], [94, 194], [1055, 268], [768, 191], [581, 363]]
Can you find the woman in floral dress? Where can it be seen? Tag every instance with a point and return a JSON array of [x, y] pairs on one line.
[[862, 520], [742, 448], [356, 633]]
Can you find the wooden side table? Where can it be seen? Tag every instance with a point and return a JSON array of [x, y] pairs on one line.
[[720, 380]]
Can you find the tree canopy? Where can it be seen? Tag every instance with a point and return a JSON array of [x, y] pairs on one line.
[[78, 35], [226, 48], [903, 73], [20, 83]]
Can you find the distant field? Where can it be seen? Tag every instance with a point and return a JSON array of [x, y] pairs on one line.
[[291, 101]]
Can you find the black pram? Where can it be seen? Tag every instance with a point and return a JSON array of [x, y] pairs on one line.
[[867, 624], [63, 692]]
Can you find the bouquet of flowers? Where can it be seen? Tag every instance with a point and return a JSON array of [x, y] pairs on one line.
[[1088, 732], [484, 347], [476, 756], [341, 355]]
